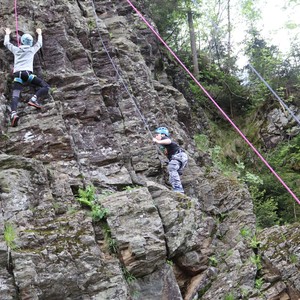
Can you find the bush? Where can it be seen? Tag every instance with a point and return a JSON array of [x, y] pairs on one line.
[[265, 209]]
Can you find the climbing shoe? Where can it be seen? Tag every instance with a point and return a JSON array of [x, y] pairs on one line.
[[14, 119], [33, 102]]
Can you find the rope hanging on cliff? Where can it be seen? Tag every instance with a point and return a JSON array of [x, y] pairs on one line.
[[122, 81], [16, 18], [272, 91], [215, 103]]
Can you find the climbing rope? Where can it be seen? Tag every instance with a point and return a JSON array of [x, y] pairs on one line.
[[272, 91], [17, 27], [215, 103], [123, 82]]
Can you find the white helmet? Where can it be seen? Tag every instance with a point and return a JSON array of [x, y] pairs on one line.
[[27, 39]]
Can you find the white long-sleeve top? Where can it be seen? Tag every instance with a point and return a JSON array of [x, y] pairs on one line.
[[23, 55]]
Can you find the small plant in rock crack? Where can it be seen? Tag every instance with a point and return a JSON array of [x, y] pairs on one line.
[[229, 297], [213, 261], [135, 295], [10, 236], [254, 243], [128, 276], [113, 247], [245, 233], [256, 260], [252, 239], [293, 258], [87, 198], [91, 24], [170, 263], [129, 188], [99, 212], [259, 283], [112, 243]]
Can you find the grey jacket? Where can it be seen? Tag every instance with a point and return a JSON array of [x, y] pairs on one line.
[[24, 54]]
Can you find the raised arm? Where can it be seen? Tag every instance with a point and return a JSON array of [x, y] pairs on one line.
[[7, 42], [39, 42]]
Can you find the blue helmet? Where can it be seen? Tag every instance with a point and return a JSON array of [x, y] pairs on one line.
[[162, 130], [27, 39]]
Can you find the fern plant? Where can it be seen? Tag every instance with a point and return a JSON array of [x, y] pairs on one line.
[[87, 198]]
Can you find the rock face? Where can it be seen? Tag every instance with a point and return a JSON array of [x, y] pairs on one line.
[[109, 90], [280, 252], [280, 124]]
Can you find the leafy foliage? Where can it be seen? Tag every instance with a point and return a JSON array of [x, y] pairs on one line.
[[286, 158], [259, 283], [224, 88], [87, 198], [265, 208], [256, 260], [128, 276], [271, 206], [229, 297], [10, 236], [112, 243], [250, 11], [213, 261]]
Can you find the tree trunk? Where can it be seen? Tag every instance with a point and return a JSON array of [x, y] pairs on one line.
[[229, 37], [193, 43]]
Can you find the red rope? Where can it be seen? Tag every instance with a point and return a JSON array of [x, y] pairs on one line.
[[17, 28], [216, 104]]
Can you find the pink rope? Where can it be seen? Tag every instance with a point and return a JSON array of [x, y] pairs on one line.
[[216, 104], [17, 28]]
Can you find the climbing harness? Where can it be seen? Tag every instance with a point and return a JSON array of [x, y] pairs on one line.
[[19, 80], [273, 92], [17, 27], [29, 79], [215, 103]]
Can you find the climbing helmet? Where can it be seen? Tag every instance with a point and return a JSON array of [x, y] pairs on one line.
[[162, 130], [27, 39]]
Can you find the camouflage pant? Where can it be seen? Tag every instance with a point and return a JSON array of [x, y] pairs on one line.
[[175, 167]]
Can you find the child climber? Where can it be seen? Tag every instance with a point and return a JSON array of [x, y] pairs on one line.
[[176, 156], [23, 71]]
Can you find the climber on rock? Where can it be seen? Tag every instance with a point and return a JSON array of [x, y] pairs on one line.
[[177, 157], [23, 71]]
